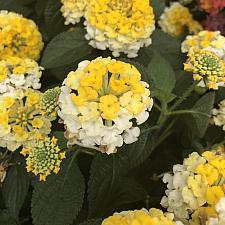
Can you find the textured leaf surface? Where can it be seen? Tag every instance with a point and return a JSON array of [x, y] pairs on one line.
[[15, 188], [66, 48], [58, 200]]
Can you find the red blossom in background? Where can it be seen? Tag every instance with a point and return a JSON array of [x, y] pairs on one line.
[[215, 22], [211, 6]]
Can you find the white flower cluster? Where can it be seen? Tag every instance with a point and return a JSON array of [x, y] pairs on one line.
[[73, 10], [206, 40], [17, 73], [181, 198], [219, 115], [99, 102], [220, 209]]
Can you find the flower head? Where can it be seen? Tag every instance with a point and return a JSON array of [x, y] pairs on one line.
[[21, 119], [43, 157], [120, 25], [141, 217], [198, 183], [219, 115], [73, 10], [211, 6], [49, 102], [98, 102], [206, 67], [176, 18], [19, 37], [16, 73], [206, 40]]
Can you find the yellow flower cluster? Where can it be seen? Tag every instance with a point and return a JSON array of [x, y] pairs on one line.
[[73, 10], [140, 217], [99, 100], [176, 19], [19, 37], [21, 120], [19, 73], [208, 40], [206, 67], [199, 182], [120, 25], [44, 157]]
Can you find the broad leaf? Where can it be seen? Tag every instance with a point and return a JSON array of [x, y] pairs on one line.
[[168, 47], [199, 120], [15, 188], [66, 48], [59, 200], [158, 7], [107, 171], [62, 142], [6, 219], [53, 17]]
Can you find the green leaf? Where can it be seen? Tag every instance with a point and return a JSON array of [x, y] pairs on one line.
[[53, 18], [18, 6], [6, 219], [15, 188], [168, 47], [92, 222], [158, 7], [126, 191], [66, 48], [162, 76], [59, 200], [107, 170], [198, 122], [62, 142]]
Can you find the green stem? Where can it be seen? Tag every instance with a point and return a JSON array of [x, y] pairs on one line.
[[5, 154], [178, 112], [149, 129], [185, 95]]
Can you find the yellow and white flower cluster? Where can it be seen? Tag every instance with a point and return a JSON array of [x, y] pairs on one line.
[[73, 10], [219, 115], [141, 217], [19, 37], [198, 182], [19, 73], [209, 215], [176, 18], [207, 40], [207, 68], [21, 119], [121, 26], [101, 103]]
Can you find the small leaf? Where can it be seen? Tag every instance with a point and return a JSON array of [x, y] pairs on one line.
[[92, 222], [65, 48], [58, 200], [15, 189], [162, 76], [199, 121], [158, 7], [62, 142]]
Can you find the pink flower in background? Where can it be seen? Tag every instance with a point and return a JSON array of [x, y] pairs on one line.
[[211, 6], [215, 22]]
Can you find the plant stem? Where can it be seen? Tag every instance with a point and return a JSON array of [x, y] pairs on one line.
[[185, 95], [178, 112]]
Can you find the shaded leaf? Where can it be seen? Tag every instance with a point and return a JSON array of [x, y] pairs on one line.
[[15, 188], [92, 222], [65, 48], [59, 200]]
